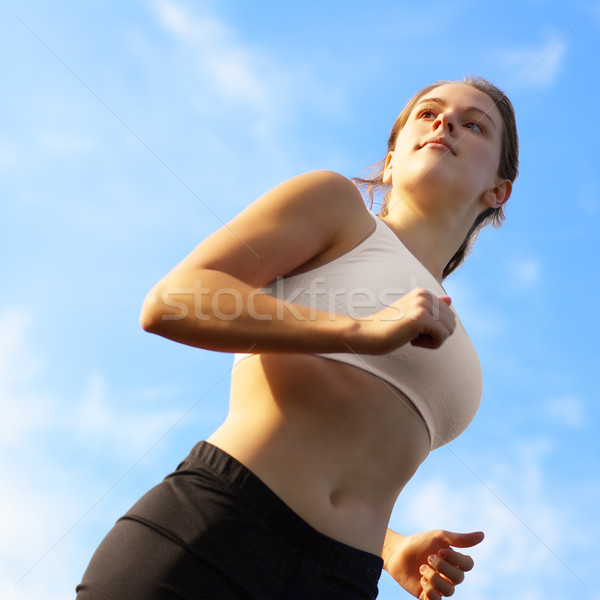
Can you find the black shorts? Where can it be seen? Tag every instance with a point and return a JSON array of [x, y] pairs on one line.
[[213, 531]]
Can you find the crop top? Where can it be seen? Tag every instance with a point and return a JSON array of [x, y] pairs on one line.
[[443, 384]]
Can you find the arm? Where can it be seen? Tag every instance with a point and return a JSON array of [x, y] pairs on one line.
[[213, 299], [425, 565]]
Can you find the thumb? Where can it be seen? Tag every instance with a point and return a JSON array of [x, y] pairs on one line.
[[464, 540], [446, 299]]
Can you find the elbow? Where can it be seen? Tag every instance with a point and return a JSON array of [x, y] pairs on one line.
[[166, 311], [151, 315], [147, 321]]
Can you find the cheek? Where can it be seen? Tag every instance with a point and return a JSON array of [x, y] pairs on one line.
[[488, 161]]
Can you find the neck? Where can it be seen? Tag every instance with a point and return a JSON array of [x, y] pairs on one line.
[[432, 239]]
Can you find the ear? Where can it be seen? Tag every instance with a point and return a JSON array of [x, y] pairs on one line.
[[499, 194], [388, 167]]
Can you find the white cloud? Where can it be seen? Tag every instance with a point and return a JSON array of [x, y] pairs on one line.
[[46, 486], [232, 66], [101, 420], [526, 272], [99, 417], [9, 155], [35, 504], [17, 363], [246, 74], [530, 536], [533, 66], [567, 411], [60, 143], [482, 321], [588, 198], [23, 412]]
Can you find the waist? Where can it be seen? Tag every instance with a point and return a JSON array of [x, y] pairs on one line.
[[253, 493], [335, 443]]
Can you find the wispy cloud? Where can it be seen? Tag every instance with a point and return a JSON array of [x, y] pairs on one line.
[[512, 561], [483, 322], [245, 74], [121, 431], [88, 419], [515, 62], [23, 411], [588, 197], [567, 411], [233, 67], [9, 154], [16, 363], [61, 143], [526, 272], [46, 434]]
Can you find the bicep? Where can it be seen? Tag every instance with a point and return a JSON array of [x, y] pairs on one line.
[[281, 230]]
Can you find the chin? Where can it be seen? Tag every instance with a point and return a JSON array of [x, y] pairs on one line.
[[435, 179]]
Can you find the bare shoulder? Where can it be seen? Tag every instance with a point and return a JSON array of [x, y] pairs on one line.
[[291, 225], [323, 194], [327, 201]]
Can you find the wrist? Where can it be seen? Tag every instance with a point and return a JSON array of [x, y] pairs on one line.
[[390, 546], [351, 332], [361, 336]]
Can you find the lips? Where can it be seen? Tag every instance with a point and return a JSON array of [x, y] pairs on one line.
[[439, 141]]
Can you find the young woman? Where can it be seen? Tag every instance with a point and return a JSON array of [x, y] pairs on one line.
[[351, 365]]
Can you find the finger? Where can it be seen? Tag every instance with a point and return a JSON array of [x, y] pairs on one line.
[[436, 584], [463, 540], [451, 572], [462, 561], [440, 310], [433, 332], [448, 320], [429, 592], [428, 340], [446, 299]]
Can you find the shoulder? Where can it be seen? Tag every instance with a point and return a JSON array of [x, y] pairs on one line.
[[327, 209], [293, 224], [315, 186], [321, 196]]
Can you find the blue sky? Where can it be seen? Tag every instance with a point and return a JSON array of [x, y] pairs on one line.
[[131, 131]]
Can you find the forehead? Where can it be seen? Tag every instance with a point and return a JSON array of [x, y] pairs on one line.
[[463, 95]]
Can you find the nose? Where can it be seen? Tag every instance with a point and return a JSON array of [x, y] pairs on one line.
[[444, 120]]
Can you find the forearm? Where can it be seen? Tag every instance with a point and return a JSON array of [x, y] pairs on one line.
[[216, 311]]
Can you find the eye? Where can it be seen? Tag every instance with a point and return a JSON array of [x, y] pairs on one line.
[[426, 113], [475, 126]]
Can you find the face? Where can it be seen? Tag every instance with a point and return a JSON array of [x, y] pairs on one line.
[[449, 150]]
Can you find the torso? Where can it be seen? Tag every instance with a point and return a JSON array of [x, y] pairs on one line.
[[332, 441]]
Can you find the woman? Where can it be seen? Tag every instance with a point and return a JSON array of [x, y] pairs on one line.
[[351, 366]]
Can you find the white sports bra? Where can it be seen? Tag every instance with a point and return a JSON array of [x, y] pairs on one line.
[[444, 384]]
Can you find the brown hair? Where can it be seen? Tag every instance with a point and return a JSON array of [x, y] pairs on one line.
[[373, 184]]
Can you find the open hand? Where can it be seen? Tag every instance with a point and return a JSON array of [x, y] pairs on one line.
[[426, 566]]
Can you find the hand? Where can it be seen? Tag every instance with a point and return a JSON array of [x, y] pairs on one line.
[[419, 317], [425, 565]]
